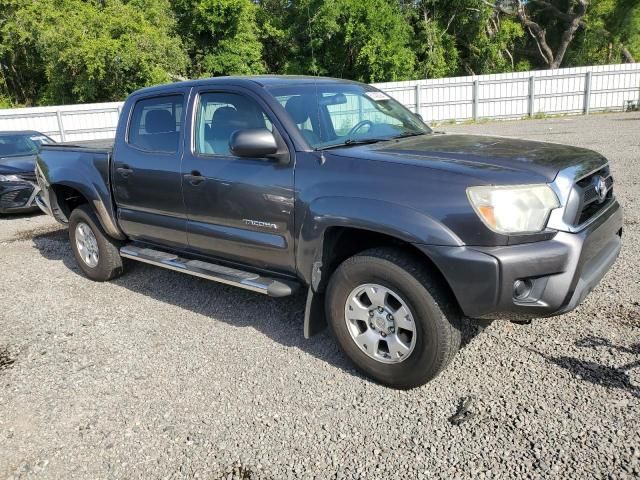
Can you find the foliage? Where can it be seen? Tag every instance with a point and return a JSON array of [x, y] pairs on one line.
[[275, 29], [5, 102], [368, 41], [624, 22], [435, 47], [65, 51], [597, 43], [221, 36], [610, 27]]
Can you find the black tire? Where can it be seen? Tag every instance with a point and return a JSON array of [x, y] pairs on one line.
[[436, 315], [109, 264]]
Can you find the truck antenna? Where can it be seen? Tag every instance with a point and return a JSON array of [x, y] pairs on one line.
[[315, 73], [313, 56]]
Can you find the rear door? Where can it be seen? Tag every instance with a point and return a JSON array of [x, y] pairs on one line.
[[146, 170], [239, 209]]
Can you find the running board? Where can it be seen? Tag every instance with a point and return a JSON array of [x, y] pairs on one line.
[[211, 271]]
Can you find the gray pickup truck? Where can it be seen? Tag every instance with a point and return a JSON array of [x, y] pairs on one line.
[[395, 231]]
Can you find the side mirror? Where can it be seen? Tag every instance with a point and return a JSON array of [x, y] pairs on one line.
[[419, 116], [254, 143]]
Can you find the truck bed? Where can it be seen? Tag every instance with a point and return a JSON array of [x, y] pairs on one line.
[[103, 145], [79, 168]]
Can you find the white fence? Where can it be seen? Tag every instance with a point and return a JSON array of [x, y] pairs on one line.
[[65, 123], [521, 94], [506, 95]]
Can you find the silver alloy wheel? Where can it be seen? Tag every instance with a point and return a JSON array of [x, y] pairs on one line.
[[87, 245], [380, 323]]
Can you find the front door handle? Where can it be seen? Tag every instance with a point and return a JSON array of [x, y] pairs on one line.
[[124, 170], [195, 178]]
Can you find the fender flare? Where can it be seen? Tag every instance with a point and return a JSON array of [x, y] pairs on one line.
[[397, 221], [378, 216], [103, 210], [88, 174]]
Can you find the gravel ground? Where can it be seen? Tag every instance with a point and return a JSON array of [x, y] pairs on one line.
[[159, 375]]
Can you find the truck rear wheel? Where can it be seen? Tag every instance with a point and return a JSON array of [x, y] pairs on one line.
[[97, 255], [393, 320]]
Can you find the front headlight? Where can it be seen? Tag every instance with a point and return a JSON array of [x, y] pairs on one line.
[[514, 208], [10, 178]]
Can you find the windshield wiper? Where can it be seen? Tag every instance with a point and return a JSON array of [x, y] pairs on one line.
[[350, 142], [409, 134]]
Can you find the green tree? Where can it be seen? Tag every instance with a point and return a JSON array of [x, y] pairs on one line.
[[595, 43], [63, 51], [552, 24], [581, 32], [221, 36], [435, 47], [277, 34], [624, 24], [368, 41], [22, 74], [464, 37], [66, 51]]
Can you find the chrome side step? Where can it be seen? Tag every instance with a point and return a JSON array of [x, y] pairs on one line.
[[211, 271]]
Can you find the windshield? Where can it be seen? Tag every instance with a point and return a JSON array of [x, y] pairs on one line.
[[41, 139], [17, 144], [343, 114]]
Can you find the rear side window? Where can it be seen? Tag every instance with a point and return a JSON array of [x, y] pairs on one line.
[[156, 124]]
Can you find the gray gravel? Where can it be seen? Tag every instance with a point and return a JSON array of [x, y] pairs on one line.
[[159, 375]]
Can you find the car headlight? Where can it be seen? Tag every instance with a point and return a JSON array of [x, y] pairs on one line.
[[10, 178], [513, 208]]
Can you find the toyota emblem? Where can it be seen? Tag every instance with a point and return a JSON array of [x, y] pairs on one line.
[[601, 189]]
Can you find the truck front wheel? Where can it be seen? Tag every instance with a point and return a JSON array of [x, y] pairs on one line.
[[97, 255], [392, 318]]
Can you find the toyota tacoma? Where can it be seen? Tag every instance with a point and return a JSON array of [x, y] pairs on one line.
[[396, 232]]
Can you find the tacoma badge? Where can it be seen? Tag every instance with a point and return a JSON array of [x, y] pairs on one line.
[[258, 223]]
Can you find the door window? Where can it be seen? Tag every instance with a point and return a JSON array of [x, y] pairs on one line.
[[156, 123], [221, 114]]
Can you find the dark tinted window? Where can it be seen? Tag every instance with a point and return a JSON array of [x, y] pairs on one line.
[[12, 145], [221, 114], [156, 123]]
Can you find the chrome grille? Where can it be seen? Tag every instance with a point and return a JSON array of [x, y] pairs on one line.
[[16, 198], [28, 177], [9, 199], [590, 198]]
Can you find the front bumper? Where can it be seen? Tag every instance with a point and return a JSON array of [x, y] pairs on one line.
[[561, 271], [16, 197]]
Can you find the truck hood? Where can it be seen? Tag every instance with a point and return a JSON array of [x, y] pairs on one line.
[[20, 164], [483, 156]]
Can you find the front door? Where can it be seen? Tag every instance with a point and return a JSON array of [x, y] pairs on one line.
[[146, 172], [240, 209]]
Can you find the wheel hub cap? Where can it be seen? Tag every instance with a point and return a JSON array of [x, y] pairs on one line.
[[380, 323], [87, 245]]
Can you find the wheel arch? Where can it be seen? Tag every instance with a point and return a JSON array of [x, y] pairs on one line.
[[65, 197], [364, 221], [341, 243], [356, 222]]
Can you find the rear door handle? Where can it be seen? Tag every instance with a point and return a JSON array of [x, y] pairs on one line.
[[194, 178], [124, 170]]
